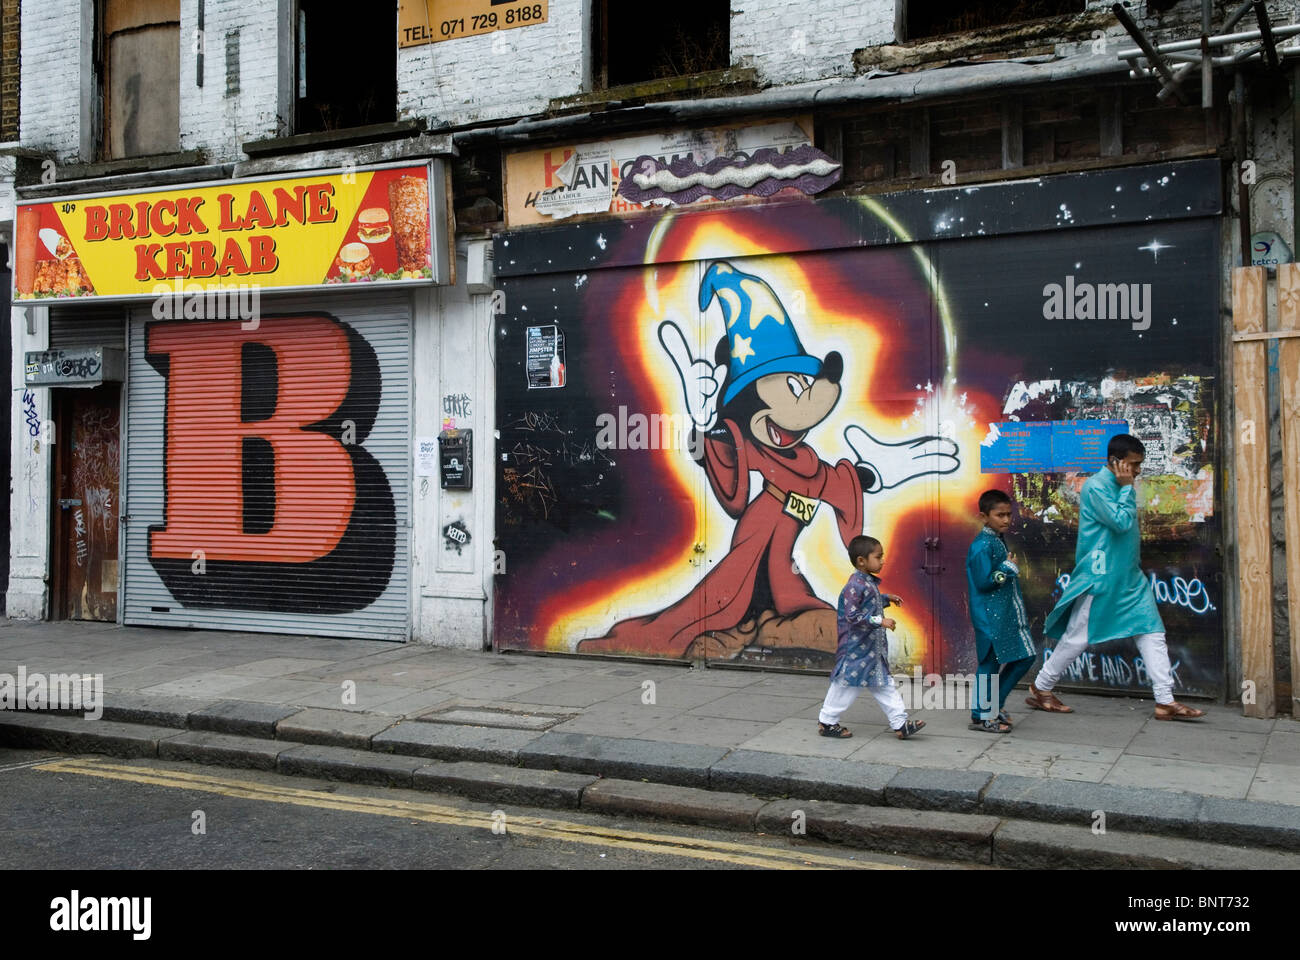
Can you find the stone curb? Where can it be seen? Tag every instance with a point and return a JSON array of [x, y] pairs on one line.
[[660, 801], [918, 833], [498, 784], [1023, 844], [405, 747]]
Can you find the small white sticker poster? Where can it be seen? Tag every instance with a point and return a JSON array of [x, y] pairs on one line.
[[426, 456]]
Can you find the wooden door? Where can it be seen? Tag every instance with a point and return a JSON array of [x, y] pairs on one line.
[[86, 503]]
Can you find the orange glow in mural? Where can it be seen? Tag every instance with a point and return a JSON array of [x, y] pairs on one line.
[[832, 311]]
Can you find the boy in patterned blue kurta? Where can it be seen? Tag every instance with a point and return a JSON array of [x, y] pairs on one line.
[[997, 612], [862, 658]]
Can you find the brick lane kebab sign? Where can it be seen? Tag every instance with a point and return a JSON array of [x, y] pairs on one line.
[[359, 226]]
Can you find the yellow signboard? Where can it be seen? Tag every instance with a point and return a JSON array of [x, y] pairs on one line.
[[361, 226], [432, 21]]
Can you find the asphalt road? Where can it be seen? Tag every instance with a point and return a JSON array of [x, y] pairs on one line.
[[84, 813]]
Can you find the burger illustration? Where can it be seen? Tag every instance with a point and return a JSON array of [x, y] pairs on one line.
[[354, 261], [373, 225]]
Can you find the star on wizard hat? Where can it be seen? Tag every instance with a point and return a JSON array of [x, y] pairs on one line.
[[759, 331]]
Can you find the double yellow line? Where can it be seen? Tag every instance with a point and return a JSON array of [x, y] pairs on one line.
[[742, 854]]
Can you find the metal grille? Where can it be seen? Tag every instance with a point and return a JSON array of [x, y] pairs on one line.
[[268, 471]]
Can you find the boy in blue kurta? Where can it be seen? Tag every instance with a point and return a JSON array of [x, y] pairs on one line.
[[997, 612], [862, 657], [1107, 595]]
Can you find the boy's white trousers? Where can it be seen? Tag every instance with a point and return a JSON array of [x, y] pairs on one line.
[[841, 696]]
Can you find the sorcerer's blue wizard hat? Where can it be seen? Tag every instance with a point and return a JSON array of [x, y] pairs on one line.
[[759, 331]]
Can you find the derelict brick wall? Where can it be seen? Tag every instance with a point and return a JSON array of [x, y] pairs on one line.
[[511, 73], [219, 116], [9, 53], [50, 114], [788, 42]]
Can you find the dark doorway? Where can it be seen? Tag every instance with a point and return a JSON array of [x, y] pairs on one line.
[[86, 486]]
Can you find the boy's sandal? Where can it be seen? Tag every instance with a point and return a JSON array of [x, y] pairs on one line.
[[990, 726], [1005, 718], [833, 730], [908, 729]]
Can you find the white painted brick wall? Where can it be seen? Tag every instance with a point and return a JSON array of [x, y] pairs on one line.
[[511, 73], [211, 121], [50, 115], [810, 40]]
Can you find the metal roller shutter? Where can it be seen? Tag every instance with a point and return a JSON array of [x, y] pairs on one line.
[[87, 325], [268, 470]]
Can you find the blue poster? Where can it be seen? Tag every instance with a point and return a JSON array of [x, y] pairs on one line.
[[1016, 447], [1079, 446]]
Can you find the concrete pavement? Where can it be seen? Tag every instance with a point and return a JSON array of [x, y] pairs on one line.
[[1227, 779]]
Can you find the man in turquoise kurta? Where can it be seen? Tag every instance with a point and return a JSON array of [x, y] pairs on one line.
[[1108, 596]]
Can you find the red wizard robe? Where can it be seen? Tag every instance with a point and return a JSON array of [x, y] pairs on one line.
[[765, 534]]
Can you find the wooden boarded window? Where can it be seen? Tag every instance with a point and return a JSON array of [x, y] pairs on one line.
[[138, 67], [933, 18]]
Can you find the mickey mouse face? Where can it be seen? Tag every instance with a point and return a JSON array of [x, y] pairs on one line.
[[791, 404]]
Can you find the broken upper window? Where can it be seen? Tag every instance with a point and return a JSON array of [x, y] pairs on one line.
[[933, 18], [671, 38], [137, 75], [345, 65]]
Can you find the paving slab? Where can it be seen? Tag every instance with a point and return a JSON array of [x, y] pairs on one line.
[[918, 833], [193, 685], [25, 728], [132, 707], [285, 690], [354, 766], [1250, 822], [469, 716], [925, 788], [922, 750], [585, 692], [199, 746], [441, 741], [1275, 782], [684, 728], [1197, 743], [1282, 748], [1137, 809], [748, 705], [497, 784], [1217, 780], [332, 728], [1025, 845], [631, 723], [684, 764], [241, 717], [633, 798], [795, 736], [280, 666], [817, 778]]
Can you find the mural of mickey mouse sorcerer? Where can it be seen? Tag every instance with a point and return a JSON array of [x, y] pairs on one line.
[[756, 405]]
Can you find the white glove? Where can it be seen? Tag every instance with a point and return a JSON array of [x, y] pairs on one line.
[[701, 380], [896, 463]]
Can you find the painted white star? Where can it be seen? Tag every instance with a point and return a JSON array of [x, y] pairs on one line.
[[1155, 246], [742, 350]]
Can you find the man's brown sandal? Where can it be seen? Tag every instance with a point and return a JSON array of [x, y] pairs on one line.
[[1177, 711], [1046, 700]]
